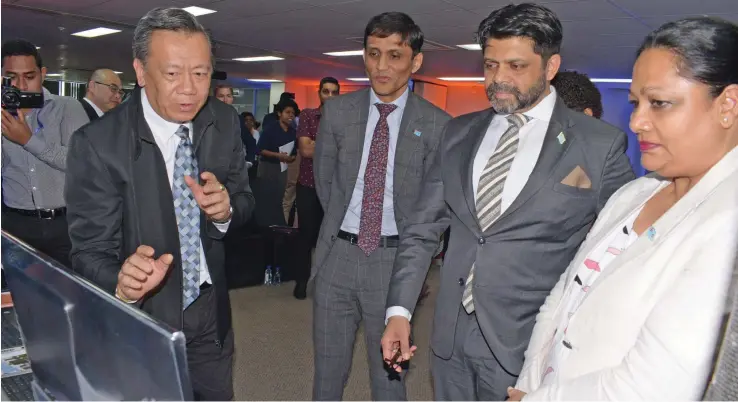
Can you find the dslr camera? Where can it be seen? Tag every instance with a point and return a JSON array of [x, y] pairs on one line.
[[14, 99]]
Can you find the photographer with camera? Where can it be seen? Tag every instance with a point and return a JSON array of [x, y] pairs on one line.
[[36, 128]]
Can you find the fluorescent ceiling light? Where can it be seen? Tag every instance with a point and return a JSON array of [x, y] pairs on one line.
[[259, 58], [262, 80], [613, 80], [470, 46], [346, 53], [471, 79], [38, 47], [54, 75], [118, 72], [358, 79], [198, 11], [95, 32]]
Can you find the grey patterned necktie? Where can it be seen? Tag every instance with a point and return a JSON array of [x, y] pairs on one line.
[[489, 190], [188, 217]]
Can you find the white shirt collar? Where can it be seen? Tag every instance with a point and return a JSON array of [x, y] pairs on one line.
[[544, 109], [94, 106], [399, 102], [162, 129]]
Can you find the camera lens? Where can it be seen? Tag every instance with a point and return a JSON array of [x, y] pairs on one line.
[[11, 99]]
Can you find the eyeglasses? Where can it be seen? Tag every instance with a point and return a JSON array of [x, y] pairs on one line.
[[113, 88]]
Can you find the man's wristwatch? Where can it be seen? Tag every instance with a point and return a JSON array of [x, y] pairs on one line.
[[122, 298], [227, 219]]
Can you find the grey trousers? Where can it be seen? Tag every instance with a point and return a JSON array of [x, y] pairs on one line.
[[350, 287], [472, 373]]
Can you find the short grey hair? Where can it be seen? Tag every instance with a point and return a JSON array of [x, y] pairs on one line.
[[165, 19]]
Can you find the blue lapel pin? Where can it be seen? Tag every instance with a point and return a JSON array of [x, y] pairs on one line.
[[651, 233], [417, 133]]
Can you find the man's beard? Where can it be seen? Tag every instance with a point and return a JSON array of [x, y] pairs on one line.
[[519, 101]]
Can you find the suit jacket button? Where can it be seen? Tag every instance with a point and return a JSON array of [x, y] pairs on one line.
[[333, 238], [481, 240], [461, 281]]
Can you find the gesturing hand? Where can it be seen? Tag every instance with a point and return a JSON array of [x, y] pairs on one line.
[[212, 197], [141, 273]]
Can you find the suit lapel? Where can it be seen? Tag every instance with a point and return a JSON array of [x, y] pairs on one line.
[[550, 155], [200, 124], [407, 142], [468, 152], [355, 136]]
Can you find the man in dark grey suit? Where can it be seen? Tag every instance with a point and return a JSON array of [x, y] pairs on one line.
[[520, 185], [370, 158]]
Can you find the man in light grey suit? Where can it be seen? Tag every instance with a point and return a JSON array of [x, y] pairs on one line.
[[520, 185], [370, 158]]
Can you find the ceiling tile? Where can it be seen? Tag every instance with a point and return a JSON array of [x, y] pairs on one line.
[[368, 8], [645, 8]]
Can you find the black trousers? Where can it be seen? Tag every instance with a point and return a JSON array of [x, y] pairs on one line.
[[210, 362], [310, 215], [49, 236]]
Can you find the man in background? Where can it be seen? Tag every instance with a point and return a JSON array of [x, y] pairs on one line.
[[578, 93], [273, 117], [224, 93], [154, 187], [104, 92], [371, 156], [34, 156], [308, 204]]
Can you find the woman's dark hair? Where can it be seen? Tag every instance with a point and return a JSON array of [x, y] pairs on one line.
[[284, 104], [20, 47], [247, 114], [578, 92], [388, 24], [527, 20], [706, 47]]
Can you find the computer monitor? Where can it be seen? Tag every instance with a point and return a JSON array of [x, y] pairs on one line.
[[83, 343]]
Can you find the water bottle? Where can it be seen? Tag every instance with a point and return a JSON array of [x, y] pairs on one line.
[[277, 276], [268, 276]]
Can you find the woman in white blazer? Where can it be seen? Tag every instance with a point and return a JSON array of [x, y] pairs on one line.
[[636, 315]]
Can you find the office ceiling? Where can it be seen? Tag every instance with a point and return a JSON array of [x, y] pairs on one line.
[[600, 36]]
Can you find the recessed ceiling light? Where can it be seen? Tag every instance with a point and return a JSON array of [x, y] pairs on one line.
[[358, 79], [470, 46], [198, 11], [346, 53], [38, 47], [53, 75], [474, 79], [262, 80], [613, 80], [95, 32], [259, 58]]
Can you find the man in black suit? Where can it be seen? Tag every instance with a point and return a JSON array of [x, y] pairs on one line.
[[104, 92], [152, 189]]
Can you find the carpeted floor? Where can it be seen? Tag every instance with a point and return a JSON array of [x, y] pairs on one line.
[[274, 351]]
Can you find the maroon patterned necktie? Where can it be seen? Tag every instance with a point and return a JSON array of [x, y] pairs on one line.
[[372, 203]]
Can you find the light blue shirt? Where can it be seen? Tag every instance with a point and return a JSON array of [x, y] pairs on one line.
[[352, 220]]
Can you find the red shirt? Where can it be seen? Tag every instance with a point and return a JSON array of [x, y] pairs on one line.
[[308, 127]]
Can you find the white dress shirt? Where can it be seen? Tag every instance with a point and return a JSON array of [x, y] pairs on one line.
[[352, 220], [167, 141], [530, 142], [94, 106]]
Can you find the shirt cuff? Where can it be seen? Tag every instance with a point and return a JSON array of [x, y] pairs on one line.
[[223, 226], [397, 310], [35, 145]]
